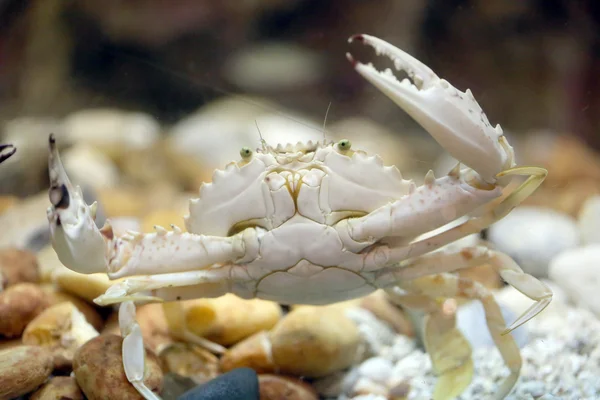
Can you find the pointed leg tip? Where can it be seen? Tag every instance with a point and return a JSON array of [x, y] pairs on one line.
[[351, 60], [358, 37]]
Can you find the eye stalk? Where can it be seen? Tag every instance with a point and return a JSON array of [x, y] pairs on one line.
[[246, 153], [344, 145]]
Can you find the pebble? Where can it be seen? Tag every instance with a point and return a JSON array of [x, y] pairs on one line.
[[273, 66], [112, 130], [87, 166], [59, 387], [98, 368], [589, 220], [238, 384], [577, 272], [533, 236], [19, 305], [62, 329], [23, 369], [233, 319], [278, 387], [18, 266]]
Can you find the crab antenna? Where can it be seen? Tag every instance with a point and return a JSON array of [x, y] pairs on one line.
[[262, 141], [325, 122]]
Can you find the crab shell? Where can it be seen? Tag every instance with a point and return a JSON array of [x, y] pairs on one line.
[[320, 182]]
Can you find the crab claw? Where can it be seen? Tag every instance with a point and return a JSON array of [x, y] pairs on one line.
[[78, 242], [453, 118], [9, 153]]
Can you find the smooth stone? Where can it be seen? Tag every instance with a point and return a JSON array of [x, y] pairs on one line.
[[589, 220], [577, 272], [273, 66], [237, 384], [533, 236]]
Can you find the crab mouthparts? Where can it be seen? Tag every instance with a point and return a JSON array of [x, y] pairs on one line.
[[420, 76]]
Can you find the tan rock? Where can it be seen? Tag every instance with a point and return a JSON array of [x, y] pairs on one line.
[[59, 387], [190, 361], [62, 329], [253, 352], [379, 305], [234, 319], [84, 286], [18, 266], [23, 369], [98, 369], [314, 342], [122, 202], [309, 341], [19, 304], [90, 311], [277, 387], [48, 262]]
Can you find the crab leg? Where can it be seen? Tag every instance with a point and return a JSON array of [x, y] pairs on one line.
[[447, 285], [453, 118], [434, 204], [133, 350], [84, 248], [448, 349], [450, 261], [175, 286]]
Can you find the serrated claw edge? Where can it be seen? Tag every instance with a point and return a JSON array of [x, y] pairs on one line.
[[160, 230], [429, 178], [175, 228], [455, 172]]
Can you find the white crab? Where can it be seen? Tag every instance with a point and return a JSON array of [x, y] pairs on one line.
[[319, 223]]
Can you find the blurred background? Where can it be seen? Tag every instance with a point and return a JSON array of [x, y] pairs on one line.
[[195, 71]]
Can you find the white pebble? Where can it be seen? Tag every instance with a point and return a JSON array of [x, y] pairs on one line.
[[377, 369], [533, 236], [577, 272], [589, 220]]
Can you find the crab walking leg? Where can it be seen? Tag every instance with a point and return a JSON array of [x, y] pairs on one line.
[[447, 285], [429, 264], [450, 261], [216, 280], [133, 350], [448, 349]]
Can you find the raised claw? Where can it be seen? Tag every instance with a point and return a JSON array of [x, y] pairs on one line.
[[9, 153], [78, 242], [453, 118]]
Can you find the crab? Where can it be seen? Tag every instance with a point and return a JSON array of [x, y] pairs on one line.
[[321, 222], [9, 153]]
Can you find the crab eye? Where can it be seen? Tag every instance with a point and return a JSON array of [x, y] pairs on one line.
[[245, 152], [344, 145]]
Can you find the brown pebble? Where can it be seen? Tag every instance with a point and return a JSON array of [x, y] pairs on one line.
[[19, 304], [98, 368], [18, 266], [59, 387], [23, 369], [277, 387]]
